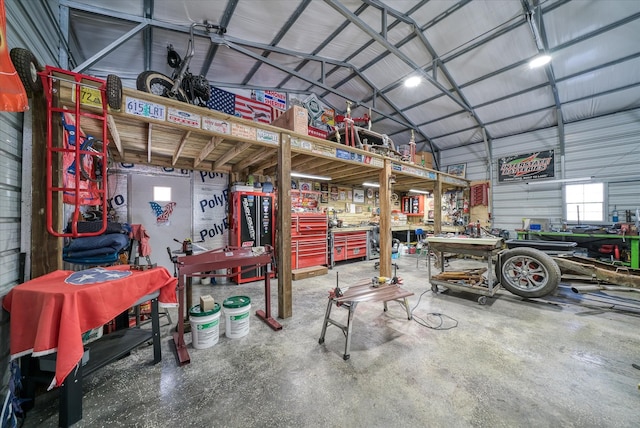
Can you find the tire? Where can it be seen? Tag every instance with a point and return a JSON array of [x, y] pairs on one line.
[[527, 272], [27, 68], [114, 92], [158, 84]]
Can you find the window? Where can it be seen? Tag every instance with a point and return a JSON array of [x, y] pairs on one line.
[[584, 202], [161, 194]]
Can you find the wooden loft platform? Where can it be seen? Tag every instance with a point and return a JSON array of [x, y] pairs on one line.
[[153, 130]]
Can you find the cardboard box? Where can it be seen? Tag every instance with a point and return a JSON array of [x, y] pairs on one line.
[[427, 157], [207, 303], [295, 119]]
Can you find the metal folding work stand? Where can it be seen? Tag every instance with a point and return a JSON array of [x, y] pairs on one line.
[[364, 291]]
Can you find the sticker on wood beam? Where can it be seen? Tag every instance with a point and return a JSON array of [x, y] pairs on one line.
[[216, 125], [414, 171], [184, 118], [268, 136], [243, 131]]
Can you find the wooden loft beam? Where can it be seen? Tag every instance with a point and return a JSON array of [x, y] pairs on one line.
[[115, 135], [178, 151], [231, 154], [211, 145], [258, 157], [149, 132], [271, 162]]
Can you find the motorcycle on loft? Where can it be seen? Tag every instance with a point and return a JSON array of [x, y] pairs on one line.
[[182, 85]]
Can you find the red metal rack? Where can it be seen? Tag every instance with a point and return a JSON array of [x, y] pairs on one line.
[[83, 90]]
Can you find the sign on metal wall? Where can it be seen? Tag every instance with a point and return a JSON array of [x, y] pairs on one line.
[[528, 166]]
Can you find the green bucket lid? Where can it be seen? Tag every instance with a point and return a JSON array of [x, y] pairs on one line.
[[236, 302], [196, 311]]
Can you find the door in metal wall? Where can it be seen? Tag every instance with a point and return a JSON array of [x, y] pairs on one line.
[[163, 206]]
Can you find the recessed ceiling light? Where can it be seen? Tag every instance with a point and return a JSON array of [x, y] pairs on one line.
[[412, 81], [539, 61]]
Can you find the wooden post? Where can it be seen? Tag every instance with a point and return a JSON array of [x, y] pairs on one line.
[[437, 206], [283, 228], [385, 220], [46, 250]]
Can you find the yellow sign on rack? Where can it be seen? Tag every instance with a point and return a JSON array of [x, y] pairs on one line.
[[88, 96]]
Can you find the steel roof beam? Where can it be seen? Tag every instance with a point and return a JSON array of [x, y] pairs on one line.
[[213, 48], [110, 48], [281, 33], [378, 38]]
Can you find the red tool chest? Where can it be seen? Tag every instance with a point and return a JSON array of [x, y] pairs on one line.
[[349, 245], [308, 240]]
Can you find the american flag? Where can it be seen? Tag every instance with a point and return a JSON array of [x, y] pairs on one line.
[[240, 106], [162, 213]]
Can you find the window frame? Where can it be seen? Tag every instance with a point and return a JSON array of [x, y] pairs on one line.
[[603, 202]]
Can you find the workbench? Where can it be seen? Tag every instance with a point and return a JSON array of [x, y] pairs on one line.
[[50, 313], [426, 228], [483, 247], [363, 291]]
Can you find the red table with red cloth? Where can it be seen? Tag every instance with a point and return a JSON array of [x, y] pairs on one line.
[[50, 313]]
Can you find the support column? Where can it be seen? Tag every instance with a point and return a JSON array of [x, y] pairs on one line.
[[385, 220], [283, 227]]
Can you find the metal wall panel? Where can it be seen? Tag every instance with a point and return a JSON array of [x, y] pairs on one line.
[[30, 25], [606, 148], [10, 197], [514, 201]]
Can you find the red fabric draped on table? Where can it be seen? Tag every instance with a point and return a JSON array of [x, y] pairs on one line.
[[50, 313]]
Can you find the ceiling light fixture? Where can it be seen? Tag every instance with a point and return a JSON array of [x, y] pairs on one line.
[[412, 81], [539, 61], [422, 192], [367, 184], [562, 180], [309, 176]]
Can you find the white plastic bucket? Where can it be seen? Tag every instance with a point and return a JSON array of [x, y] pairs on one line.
[[205, 326], [236, 314]]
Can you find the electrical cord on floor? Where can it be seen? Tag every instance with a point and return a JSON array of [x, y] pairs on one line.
[[441, 317]]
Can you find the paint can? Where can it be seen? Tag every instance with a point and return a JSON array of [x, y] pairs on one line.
[[205, 326], [236, 314]]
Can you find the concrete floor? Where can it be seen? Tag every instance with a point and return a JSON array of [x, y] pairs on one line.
[[561, 361]]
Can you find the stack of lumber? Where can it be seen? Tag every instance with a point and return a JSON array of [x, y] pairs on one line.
[[469, 276]]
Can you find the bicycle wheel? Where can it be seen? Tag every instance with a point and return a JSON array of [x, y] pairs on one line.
[[159, 84]]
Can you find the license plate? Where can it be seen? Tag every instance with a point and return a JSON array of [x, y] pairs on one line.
[[88, 96], [145, 109]]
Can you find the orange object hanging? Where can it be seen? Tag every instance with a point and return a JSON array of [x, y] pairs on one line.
[[13, 97]]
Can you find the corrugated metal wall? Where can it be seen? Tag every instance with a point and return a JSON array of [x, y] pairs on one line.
[[607, 148], [29, 25]]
